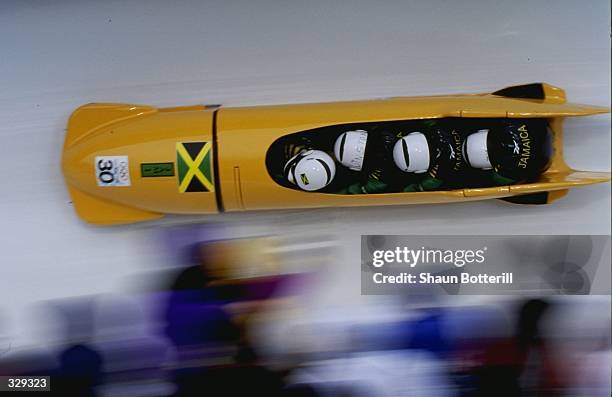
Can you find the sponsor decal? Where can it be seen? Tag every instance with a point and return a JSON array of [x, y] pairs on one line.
[[153, 170], [525, 147], [112, 171], [194, 167]]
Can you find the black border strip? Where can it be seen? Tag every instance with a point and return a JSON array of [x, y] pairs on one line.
[[327, 171], [342, 146], [217, 183], [465, 152], [405, 152]]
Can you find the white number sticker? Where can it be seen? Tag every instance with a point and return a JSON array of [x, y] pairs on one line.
[[112, 171]]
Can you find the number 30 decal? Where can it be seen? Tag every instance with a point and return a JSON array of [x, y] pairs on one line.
[[112, 171]]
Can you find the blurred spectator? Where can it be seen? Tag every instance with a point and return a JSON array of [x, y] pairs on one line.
[[79, 373], [213, 353], [522, 364], [80, 368]]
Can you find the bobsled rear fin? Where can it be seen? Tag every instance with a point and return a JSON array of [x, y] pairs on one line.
[[101, 212], [543, 91], [92, 116]]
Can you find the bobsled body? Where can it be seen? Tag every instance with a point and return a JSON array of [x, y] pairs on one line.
[[128, 163]]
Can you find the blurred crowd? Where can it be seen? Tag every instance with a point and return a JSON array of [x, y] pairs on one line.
[[232, 321]]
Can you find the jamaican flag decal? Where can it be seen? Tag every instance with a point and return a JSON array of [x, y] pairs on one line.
[[194, 165]]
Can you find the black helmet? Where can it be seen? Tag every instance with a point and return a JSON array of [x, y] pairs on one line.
[[517, 149]]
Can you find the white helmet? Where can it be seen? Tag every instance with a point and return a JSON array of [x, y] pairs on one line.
[[411, 153], [310, 170], [350, 149], [475, 150]]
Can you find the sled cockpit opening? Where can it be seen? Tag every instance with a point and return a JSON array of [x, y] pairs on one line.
[[412, 155]]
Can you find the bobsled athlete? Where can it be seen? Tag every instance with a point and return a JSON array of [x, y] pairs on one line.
[[310, 170], [435, 155], [370, 155], [305, 167], [512, 150], [438, 154]]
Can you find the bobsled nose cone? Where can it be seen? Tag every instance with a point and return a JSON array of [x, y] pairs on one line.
[[85, 124]]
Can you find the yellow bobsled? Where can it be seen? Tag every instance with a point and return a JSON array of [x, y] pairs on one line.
[[128, 163]]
